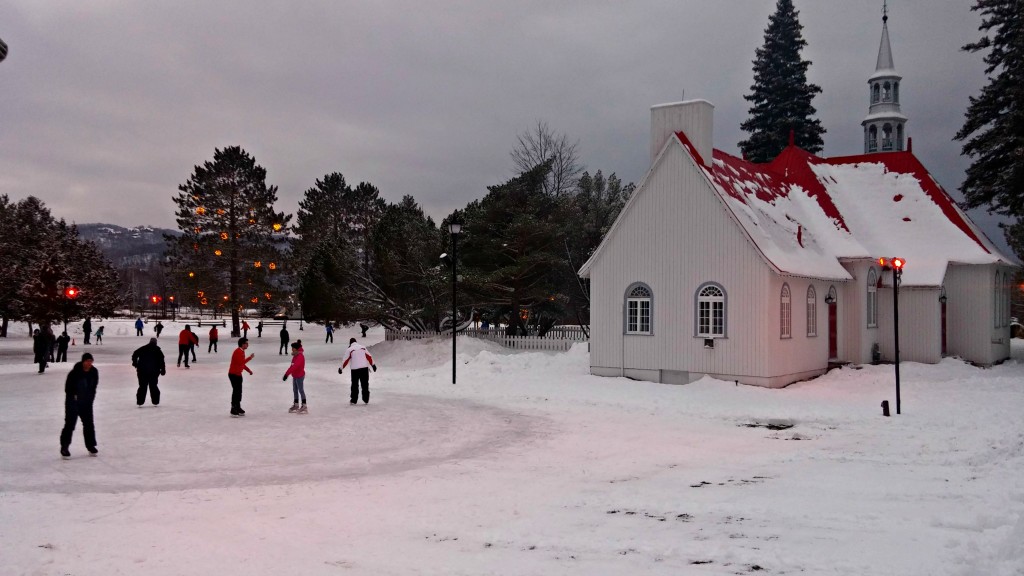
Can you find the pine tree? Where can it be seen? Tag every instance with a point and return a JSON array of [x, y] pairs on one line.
[[320, 217], [781, 95], [993, 131], [231, 234]]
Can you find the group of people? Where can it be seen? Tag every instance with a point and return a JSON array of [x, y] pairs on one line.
[[148, 360]]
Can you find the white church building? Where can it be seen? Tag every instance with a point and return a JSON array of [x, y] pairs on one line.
[[768, 274]]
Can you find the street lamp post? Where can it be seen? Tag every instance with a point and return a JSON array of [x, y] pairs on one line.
[[897, 265], [455, 228], [70, 293]]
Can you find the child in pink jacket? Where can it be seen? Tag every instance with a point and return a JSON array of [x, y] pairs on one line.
[[297, 371]]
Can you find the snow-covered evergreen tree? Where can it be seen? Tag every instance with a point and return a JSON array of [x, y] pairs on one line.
[[781, 95], [993, 131]]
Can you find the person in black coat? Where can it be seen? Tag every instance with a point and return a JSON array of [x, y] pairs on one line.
[[149, 367], [62, 347], [284, 341], [40, 349], [79, 393], [87, 329]]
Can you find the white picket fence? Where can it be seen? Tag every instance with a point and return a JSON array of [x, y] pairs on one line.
[[497, 336]]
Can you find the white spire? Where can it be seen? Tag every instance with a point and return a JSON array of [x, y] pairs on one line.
[[884, 49]]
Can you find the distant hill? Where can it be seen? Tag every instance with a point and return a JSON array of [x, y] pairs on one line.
[[137, 246]]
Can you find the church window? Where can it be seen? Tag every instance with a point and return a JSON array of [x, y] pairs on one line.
[[887, 137], [872, 299], [711, 311], [896, 92], [899, 137], [873, 138], [875, 91], [638, 309], [812, 312], [887, 93], [785, 313]]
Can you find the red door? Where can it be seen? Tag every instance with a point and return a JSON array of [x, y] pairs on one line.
[[833, 332]]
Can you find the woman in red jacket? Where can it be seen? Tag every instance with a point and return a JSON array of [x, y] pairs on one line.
[[297, 371]]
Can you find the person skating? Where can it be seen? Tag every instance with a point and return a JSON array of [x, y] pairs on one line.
[[62, 347], [364, 328], [361, 364], [79, 393], [184, 341], [158, 328], [245, 329], [259, 329], [99, 335], [87, 329], [149, 366], [297, 371], [193, 343], [213, 340], [138, 326], [238, 363], [51, 344], [284, 341], [330, 333], [40, 350]]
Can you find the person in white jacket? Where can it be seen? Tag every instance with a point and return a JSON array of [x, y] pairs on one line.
[[361, 362]]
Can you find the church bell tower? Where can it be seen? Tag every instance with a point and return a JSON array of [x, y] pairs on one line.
[[884, 126]]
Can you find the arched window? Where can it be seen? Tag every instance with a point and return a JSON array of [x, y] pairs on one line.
[[785, 313], [875, 91], [896, 92], [872, 138], [872, 299], [639, 299], [899, 137], [886, 137], [812, 312], [710, 317], [887, 92]]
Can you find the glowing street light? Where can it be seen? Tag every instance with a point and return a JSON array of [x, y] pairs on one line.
[[896, 265]]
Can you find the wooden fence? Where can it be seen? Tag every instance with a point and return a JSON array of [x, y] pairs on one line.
[[569, 336]]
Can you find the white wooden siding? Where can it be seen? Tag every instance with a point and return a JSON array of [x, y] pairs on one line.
[[970, 323]]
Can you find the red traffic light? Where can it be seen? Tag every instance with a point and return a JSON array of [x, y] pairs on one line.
[[71, 292]]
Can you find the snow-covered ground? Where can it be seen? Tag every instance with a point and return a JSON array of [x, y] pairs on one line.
[[527, 466]]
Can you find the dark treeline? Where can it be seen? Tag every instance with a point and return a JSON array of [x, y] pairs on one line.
[[42, 258], [351, 256]]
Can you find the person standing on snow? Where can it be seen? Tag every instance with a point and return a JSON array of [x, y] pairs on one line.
[[259, 329], [79, 393], [99, 335], [40, 349], [361, 364], [238, 363], [213, 340], [158, 328], [87, 329], [330, 334], [245, 329], [149, 367], [284, 341], [138, 326], [184, 341], [62, 347], [193, 343], [297, 371]]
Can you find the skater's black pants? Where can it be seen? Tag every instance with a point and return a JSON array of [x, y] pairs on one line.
[[148, 380], [330, 338], [42, 364], [62, 354], [183, 351], [192, 349], [360, 378], [73, 410], [236, 391], [283, 349], [212, 346], [138, 331]]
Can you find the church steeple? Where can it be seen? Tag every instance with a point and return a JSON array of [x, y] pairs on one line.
[[884, 126]]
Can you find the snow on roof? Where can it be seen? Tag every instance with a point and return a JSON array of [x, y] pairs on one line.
[[805, 213]]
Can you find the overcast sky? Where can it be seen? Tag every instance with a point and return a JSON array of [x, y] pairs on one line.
[[106, 106]]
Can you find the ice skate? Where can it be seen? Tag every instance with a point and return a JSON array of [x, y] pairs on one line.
[[294, 408], [303, 410]]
